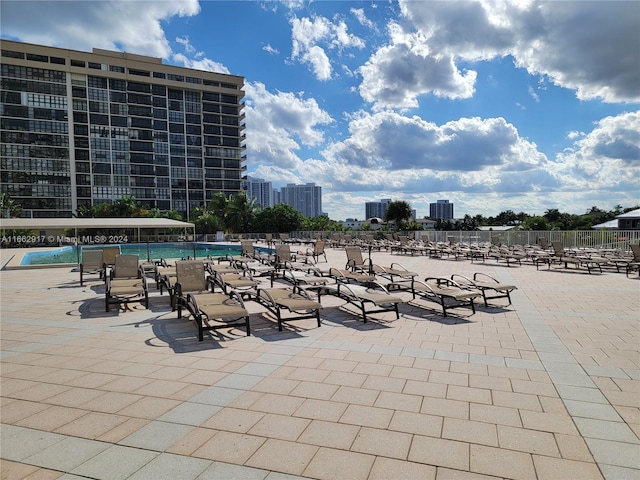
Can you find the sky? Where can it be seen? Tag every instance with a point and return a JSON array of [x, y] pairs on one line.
[[492, 105]]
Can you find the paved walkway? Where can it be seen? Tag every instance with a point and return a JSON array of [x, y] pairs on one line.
[[546, 388]]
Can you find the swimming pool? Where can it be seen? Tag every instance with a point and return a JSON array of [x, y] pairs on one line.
[[152, 251]]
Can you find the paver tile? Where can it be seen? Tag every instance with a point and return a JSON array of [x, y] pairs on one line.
[[283, 456], [548, 468], [386, 468], [501, 463], [524, 440], [548, 422], [116, 462], [229, 447], [321, 410], [439, 452], [191, 441], [329, 464], [384, 443], [418, 423], [367, 416], [279, 426], [169, 467]]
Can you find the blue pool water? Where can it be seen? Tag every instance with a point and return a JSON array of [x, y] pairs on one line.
[[145, 251]]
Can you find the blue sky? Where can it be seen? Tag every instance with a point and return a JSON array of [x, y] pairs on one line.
[[523, 106]]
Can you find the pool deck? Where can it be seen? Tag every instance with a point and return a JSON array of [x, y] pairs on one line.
[[545, 388]]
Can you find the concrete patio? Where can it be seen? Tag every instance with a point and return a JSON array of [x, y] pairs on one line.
[[545, 388]]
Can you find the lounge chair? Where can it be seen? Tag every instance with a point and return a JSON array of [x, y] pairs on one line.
[[190, 278], [362, 296], [284, 255], [126, 283], [317, 251], [297, 303], [253, 262], [309, 280], [356, 262], [485, 284], [561, 256], [245, 285], [394, 272], [395, 277], [506, 254], [445, 292], [92, 262], [213, 311], [109, 256], [347, 276]]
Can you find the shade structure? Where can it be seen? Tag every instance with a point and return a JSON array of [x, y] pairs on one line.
[[88, 223]]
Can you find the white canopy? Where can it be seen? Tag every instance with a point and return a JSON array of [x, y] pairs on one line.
[[87, 223]]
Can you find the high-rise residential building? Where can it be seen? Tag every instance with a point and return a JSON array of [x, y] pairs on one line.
[[82, 128], [441, 209], [377, 209], [307, 199], [261, 190]]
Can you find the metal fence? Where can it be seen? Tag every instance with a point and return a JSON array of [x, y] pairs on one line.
[[596, 239]]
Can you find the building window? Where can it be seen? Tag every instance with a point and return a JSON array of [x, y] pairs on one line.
[[12, 54], [77, 63], [140, 73], [37, 58], [115, 68]]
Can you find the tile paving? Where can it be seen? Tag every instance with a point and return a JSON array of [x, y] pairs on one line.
[[545, 388]]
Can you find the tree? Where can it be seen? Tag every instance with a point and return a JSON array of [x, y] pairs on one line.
[[9, 208], [207, 222], [240, 212], [281, 218], [218, 205], [321, 223], [125, 206], [398, 212]]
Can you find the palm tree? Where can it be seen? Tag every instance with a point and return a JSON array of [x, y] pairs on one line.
[[9, 208], [125, 206], [218, 205], [240, 212]]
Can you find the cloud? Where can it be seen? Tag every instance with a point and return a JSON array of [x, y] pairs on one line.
[[362, 18], [396, 142], [279, 123], [590, 47], [205, 64], [111, 25], [311, 37], [607, 158], [397, 74], [269, 49]]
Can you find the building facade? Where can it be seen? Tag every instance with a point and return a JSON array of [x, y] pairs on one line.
[[80, 128], [441, 209], [307, 199], [377, 209], [261, 190]]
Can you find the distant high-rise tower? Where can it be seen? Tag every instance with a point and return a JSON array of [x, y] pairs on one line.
[[307, 199], [441, 209], [260, 190], [377, 209]]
